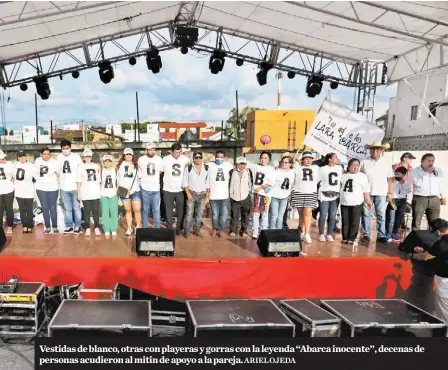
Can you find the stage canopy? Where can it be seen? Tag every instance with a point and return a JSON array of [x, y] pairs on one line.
[[409, 36]]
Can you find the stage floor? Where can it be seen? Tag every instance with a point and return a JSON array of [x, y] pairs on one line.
[[40, 245]]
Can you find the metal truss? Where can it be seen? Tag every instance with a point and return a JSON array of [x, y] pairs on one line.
[[368, 75]]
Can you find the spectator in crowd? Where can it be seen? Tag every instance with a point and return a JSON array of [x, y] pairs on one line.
[[109, 198], [150, 166], [47, 189], [241, 182], [128, 182], [330, 183], [354, 193], [381, 180], [397, 208], [429, 191], [304, 194], [24, 179], [6, 191], [196, 185], [406, 162], [68, 164], [288, 205], [264, 179], [89, 191], [283, 184], [218, 178], [173, 167]]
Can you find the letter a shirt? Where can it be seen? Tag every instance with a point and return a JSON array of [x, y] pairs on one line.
[[68, 168], [89, 175], [353, 187], [218, 180], [108, 182]]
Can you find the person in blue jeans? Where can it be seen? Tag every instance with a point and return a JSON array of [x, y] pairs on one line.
[[397, 208], [68, 164]]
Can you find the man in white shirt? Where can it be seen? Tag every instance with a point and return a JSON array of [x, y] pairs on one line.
[[173, 167], [381, 179], [219, 177], [151, 167], [429, 191], [6, 191], [68, 168]]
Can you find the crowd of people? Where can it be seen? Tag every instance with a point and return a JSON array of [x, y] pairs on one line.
[[261, 192]]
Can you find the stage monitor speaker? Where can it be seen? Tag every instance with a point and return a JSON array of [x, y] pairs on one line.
[[418, 238], [2, 238], [280, 243], [151, 242]]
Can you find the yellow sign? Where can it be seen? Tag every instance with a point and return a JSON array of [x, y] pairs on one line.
[[17, 298]]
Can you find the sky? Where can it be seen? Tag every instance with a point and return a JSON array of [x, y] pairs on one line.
[[184, 90]]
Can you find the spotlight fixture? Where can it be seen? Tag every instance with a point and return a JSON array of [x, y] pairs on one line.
[[42, 87], [153, 60], [384, 74], [334, 85], [184, 50], [216, 63], [262, 75], [185, 36], [132, 61], [291, 75], [106, 71], [75, 74], [61, 77], [23, 87], [239, 62], [314, 85]]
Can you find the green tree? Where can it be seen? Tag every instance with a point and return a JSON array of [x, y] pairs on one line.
[[237, 123]]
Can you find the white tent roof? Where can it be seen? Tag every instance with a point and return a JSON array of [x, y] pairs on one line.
[[410, 36]]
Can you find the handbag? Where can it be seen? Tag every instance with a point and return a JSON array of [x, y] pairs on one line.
[[330, 194], [123, 192]]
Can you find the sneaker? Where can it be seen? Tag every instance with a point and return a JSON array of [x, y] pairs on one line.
[[129, 231], [244, 234], [77, 230], [382, 240], [232, 235], [186, 235], [55, 231], [113, 233], [68, 231], [9, 230], [330, 238], [220, 234], [396, 237], [87, 232], [47, 231], [198, 233], [322, 238], [307, 238], [366, 238], [107, 235], [97, 231]]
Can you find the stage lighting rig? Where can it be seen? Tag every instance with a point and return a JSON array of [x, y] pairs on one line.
[[132, 61], [239, 62], [42, 87], [291, 75], [23, 87], [185, 36], [314, 85], [334, 85], [106, 71], [217, 61], [384, 74], [75, 74], [153, 60], [262, 75]]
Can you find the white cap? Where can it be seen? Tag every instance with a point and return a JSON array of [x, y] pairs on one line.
[[186, 150], [107, 157], [240, 160], [128, 151], [87, 153], [2, 154], [151, 146], [307, 154]]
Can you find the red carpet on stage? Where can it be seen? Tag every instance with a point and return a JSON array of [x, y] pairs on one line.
[[232, 278]]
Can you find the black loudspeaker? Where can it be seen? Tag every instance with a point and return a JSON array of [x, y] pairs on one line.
[[280, 243], [2, 238], [151, 242], [418, 238]]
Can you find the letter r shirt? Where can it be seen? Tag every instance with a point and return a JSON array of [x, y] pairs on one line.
[[307, 178]]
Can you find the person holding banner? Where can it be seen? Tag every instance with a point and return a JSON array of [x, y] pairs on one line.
[[304, 194]]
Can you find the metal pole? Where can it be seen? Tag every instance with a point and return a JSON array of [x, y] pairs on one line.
[[135, 131], [37, 126], [237, 117], [51, 131], [222, 128], [138, 114]]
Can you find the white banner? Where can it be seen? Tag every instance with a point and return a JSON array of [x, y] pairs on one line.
[[338, 129]]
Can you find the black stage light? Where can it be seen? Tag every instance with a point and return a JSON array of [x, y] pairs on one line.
[[42, 87], [262, 75], [334, 85], [384, 74], [186, 36], [314, 86], [132, 61], [106, 71], [216, 63], [239, 62], [153, 61], [291, 75], [75, 74], [184, 50], [23, 87]]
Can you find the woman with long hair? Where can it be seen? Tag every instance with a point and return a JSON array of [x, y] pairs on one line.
[[128, 181], [304, 194], [330, 184], [355, 190], [47, 189]]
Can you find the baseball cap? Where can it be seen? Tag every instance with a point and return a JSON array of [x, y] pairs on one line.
[[87, 153], [21, 153], [186, 150], [407, 155], [151, 146], [241, 160], [307, 154], [286, 154], [2, 154], [128, 151], [107, 157]]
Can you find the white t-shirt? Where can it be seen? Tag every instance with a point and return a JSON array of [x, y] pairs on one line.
[[150, 170], [307, 178], [47, 179], [377, 173], [23, 180], [108, 182], [284, 181], [401, 190], [353, 187], [68, 169], [330, 180], [126, 174], [263, 175], [219, 180], [6, 178], [89, 175], [173, 172]]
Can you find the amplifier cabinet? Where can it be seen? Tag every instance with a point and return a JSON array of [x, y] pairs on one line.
[[384, 318], [310, 319], [150, 242], [77, 317], [279, 243], [237, 318], [22, 313]]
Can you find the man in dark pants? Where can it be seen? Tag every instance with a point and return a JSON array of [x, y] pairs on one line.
[[241, 182]]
